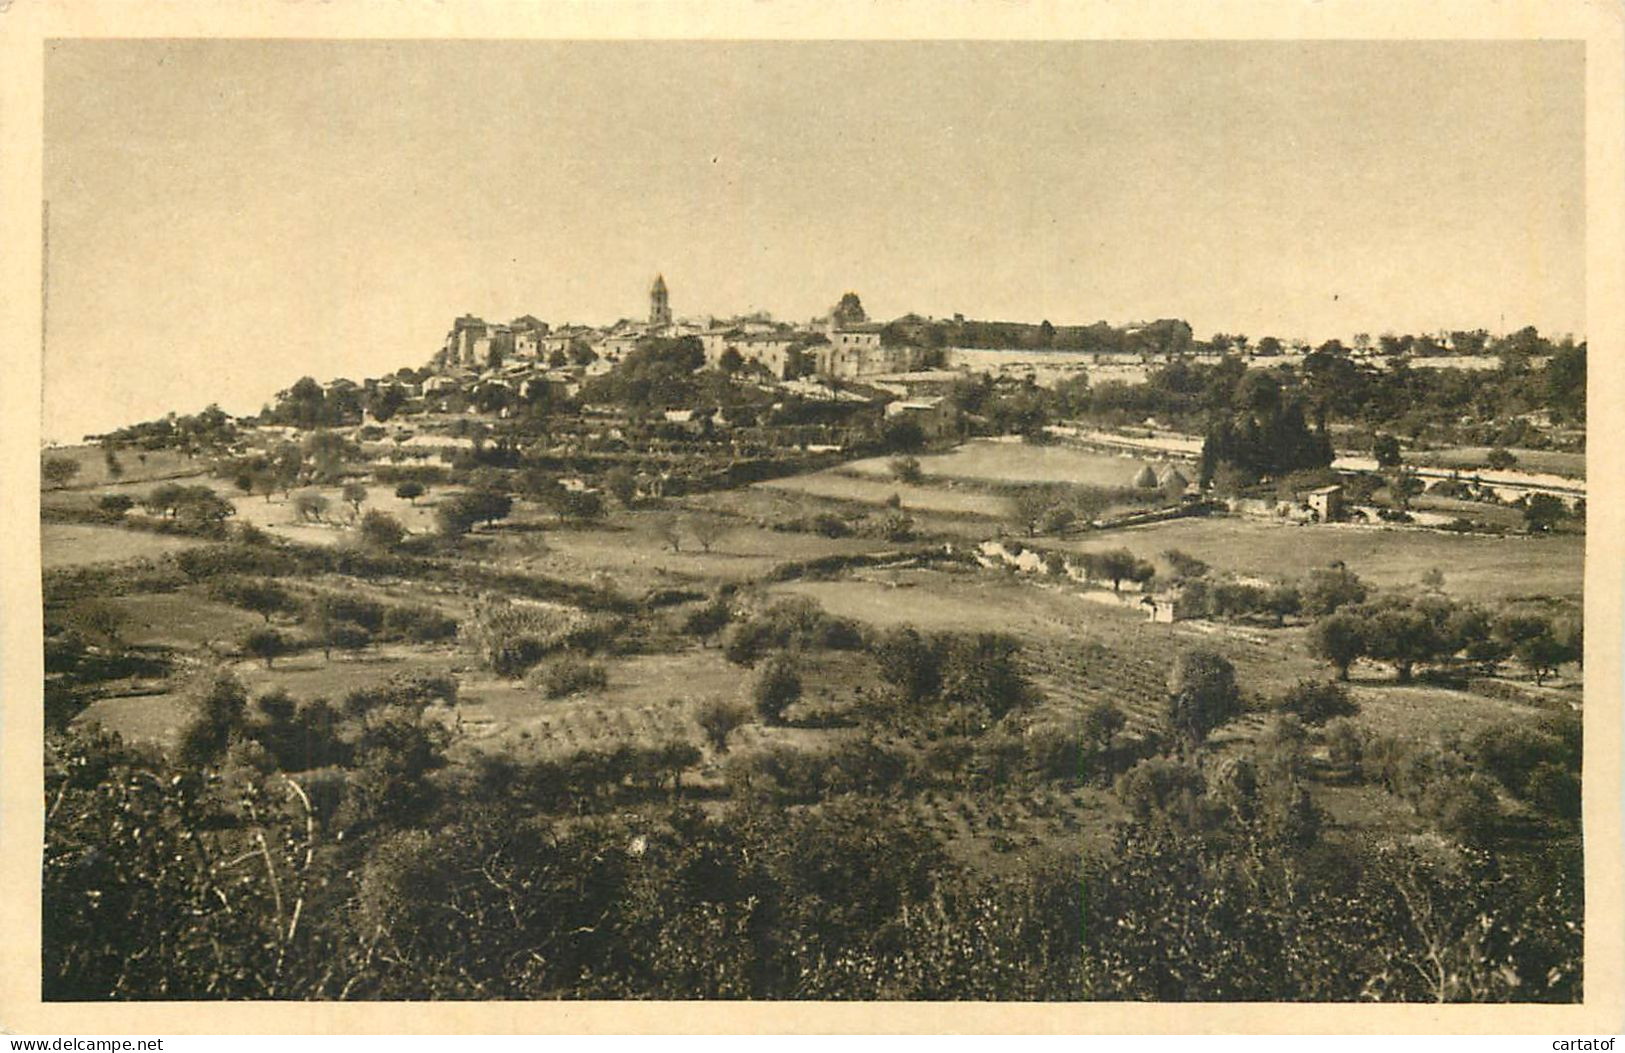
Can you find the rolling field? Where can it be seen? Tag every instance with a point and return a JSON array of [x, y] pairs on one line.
[[1551, 462], [634, 555], [155, 719], [1474, 567], [834, 483], [181, 620], [279, 517], [138, 465], [80, 544], [990, 461], [650, 699]]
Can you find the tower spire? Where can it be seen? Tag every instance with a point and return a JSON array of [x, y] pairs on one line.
[[659, 305]]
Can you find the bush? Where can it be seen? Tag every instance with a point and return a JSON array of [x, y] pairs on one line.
[[381, 530], [265, 644], [419, 623], [777, 687], [1317, 701], [512, 637], [905, 469], [264, 598], [718, 719], [115, 505], [200, 564], [1202, 693], [569, 674]]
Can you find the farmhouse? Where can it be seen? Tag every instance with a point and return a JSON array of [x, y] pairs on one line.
[[1326, 502]]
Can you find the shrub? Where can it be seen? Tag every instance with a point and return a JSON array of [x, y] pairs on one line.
[[1161, 787], [310, 506], [905, 469], [115, 505], [569, 674], [200, 564], [419, 623], [512, 637], [718, 719], [264, 598], [705, 622], [777, 686], [266, 645], [1202, 693], [381, 530], [1317, 701]]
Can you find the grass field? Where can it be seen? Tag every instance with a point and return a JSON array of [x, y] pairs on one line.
[[141, 718], [181, 620], [79, 544], [138, 465], [1474, 567], [1553, 462], [990, 461], [635, 557], [945, 499], [279, 516], [1422, 713]]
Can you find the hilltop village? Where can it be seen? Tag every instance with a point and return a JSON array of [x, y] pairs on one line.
[[732, 658]]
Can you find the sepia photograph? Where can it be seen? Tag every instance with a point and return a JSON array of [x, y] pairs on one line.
[[950, 521]]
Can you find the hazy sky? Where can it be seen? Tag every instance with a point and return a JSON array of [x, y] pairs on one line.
[[228, 216]]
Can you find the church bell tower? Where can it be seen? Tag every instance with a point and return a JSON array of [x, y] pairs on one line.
[[659, 306]]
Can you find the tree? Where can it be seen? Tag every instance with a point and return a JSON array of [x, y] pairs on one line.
[[849, 311], [902, 434], [1542, 512], [411, 489], [909, 662], [263, 598], [777, 686], [453, 518], [1202, 694], [731, 361], [1332, 588], [1500, 459], [58, 471], [718, 719], [669, 530], [1028, 504], [579, 505], [99, 620], [310, 506], [1119, 564], [707, 530], [266, 645], [115, 505], [1542, 653], [620, 482], [983, 671], [1399, 633], [1184, 565], [905, 468], [1403, 486], [354, 494], [485, 506], [200, 508], [1317, 701], [381, 530], [346, 636], [1385, 448], [705, 622]]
